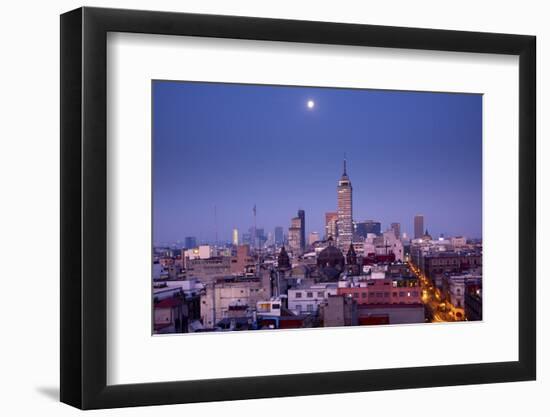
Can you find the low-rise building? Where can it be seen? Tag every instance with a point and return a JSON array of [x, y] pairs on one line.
[[201, 252], [455, 286], [228, 294], [473, 306], [458, 241], [273, 307], [383, 291], [436, 265], [305, 299], [242, 263], [208, 270], [170, 316], [338, 310], [176, 306], [370, 314]]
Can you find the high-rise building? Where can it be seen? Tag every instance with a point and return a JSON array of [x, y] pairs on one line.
[[313, 237], [235, 237], [362, 229], [279, 237], [253, 240], [418, 226], [302, 216], [345, 211], [270, 240], [396, 227], [190, 242], [331, 222], [257, 237], [260, 237], [295, 235]]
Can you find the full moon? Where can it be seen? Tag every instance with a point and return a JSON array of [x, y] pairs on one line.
[[310, 104]]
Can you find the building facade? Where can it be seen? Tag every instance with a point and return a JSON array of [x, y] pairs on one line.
[[345, 211], [295, 235], [313, 237], [279, 236], [228, 297], [338, 310], [384, 291], [418, 226], [190, 242], [372, 314], [243, 260], [473, 307], [396, 227], [436, 265], [331, 223], [207, 270], [307, 299], [302, 217], [362, 229]]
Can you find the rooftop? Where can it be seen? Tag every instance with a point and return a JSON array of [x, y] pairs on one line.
[[169, 303], [236, 279]]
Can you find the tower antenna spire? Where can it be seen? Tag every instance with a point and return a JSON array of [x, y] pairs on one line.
[[345, 163]]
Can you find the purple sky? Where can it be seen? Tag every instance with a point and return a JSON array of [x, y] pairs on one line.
[[233, 146]]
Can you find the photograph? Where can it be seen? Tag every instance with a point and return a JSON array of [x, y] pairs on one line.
[[281, 207]]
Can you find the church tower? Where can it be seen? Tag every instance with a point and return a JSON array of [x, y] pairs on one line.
[[352, 267]]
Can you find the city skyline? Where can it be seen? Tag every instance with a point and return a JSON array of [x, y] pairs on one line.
[[408, 153]]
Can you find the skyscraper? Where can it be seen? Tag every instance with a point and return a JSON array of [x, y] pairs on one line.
[[418, 226], [279, 238], [295, 235], [331, 221], [235, 237], [396, 227], [345, 211], [302, 216]]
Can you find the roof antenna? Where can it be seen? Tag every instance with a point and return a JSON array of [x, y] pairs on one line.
[[345, 163]]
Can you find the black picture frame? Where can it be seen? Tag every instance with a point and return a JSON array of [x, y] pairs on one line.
[[84, 207]]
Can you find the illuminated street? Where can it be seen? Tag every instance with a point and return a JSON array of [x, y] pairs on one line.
[[439, 310]]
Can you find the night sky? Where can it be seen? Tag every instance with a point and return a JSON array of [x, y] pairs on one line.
[[233, 146]]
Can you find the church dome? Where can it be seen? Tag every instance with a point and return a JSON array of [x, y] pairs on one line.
[[331, 256]]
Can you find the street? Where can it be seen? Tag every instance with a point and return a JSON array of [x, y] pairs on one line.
[[438, 309]]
